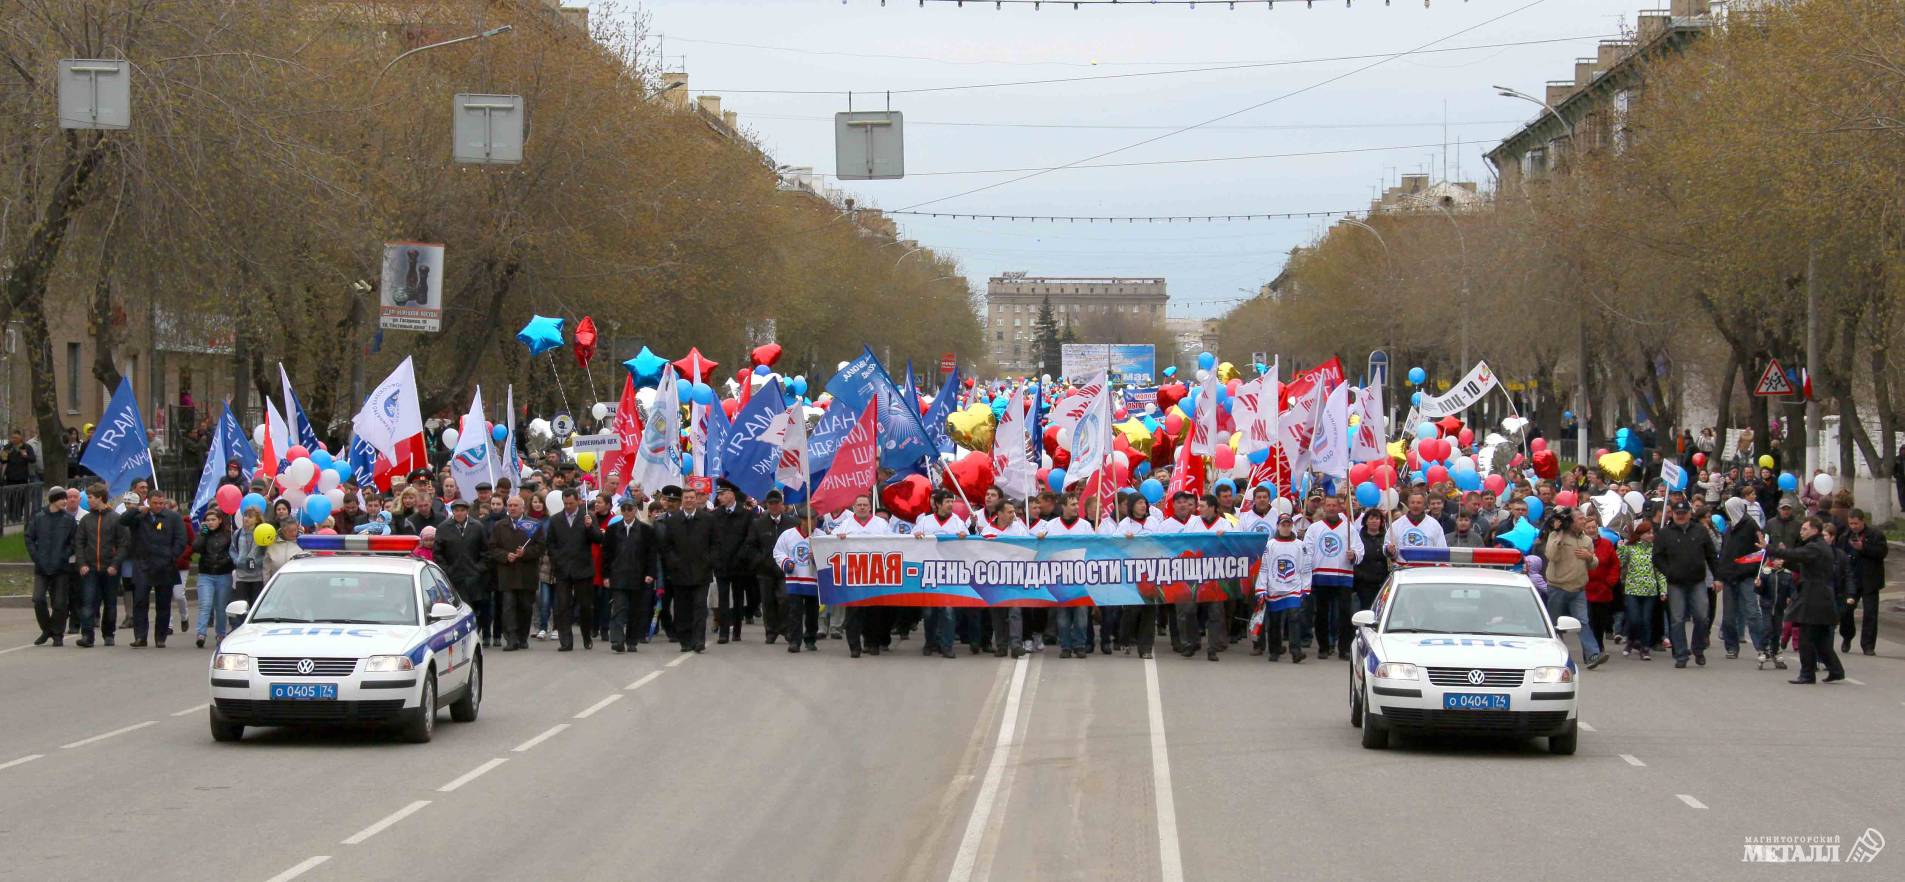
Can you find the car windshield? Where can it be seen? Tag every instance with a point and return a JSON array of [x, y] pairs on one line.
[[1458, 608], [339, 598]]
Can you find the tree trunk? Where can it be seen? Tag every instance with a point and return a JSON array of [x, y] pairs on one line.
[[1723, 413], [44, 391], [105, 335]]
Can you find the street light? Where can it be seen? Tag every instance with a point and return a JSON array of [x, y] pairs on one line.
[[1506, 92], [896, 264]]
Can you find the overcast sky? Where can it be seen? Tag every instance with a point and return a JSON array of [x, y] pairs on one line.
[[1398, 106]]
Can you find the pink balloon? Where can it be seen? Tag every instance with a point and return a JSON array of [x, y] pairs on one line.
[[1224, 458], [1495, 484], [1174, 423], [1538, 445], [228, 498], [1466, 437], [1231, 387], [1565, 498], [296, 451]]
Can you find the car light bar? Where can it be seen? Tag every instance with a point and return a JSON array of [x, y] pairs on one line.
[[360, 544], [1461, 557]]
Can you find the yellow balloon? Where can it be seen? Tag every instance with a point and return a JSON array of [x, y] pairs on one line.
[[972, 427], [1765, 461], [1398, 451], [585, 460], [1234, 438], [1226, 372], [265, 535], [1616, 465], [1136, 434]]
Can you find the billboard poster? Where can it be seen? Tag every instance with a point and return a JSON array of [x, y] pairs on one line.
[[1124, 364], [411, 296]]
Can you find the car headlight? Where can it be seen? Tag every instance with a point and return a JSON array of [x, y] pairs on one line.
[[1550, 675], [384, 664], [1397, 671], [231, 661]]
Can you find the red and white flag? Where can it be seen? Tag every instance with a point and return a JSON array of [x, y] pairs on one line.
[[1011, 448], [1204, 432], [1090, 433], [855, 467], [627, 426]]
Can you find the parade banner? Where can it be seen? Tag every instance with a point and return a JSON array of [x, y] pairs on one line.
[[1478, 383], [1057, 571]]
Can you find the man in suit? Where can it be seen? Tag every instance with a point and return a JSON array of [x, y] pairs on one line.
[[629, 564], [513, 552], [780, 613], [687, 549], [156, 536], [567, 535], [462, 552], [733, 571]]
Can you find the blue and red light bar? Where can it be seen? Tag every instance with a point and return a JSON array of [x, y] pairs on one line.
[[360, 544], [1459, 557]]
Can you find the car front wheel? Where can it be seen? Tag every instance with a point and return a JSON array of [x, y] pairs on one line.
[[1564, 743], [223, 731], [464, 709], [1375, 732], [421, 723], [1355, 703]]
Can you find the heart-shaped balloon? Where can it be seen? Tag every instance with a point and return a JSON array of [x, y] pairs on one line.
[[1547, 466], [1161, 449], [1050, 440], [1616, 465], [1136, 434], [764, 354], [1449, 425], [907, 498], [1226, 372], [970, 475], [971, 427], [1169, 396]]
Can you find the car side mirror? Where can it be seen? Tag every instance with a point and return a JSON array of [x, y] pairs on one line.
[[1363, 618], [237, 608], [441, 611], [1565, 624]]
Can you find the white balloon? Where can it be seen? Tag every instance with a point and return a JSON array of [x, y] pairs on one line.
[[258, 435], [1202, 375], [301, 472], [327, 480], [336, 497], [450, 437], [1823, 483], [1281, 505], [1635, 502], [1241, 470], [296, 498], [1389, 499], [553, 501], [600, 411], [645, 397]]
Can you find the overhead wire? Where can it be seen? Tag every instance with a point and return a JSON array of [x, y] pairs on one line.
[[1151, 162], [1453, 124]]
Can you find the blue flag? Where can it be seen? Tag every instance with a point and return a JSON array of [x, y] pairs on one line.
[[747, 461], [941, 410], [363, 461], [119, 452], [228, 443], [903, 440], [299, 424], [718, 428]]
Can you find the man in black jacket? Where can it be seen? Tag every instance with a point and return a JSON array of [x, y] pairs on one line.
[[780, 613], [1738, 570], [463, 553], [733, 574], [629, 563], [1684, 555], [156, 536], [1866, 546], [687, 550], [567, 535], [50, 539], [100, 552], [1816, 605]]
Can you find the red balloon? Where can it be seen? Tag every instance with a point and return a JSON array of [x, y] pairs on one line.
[[1231, 387], [1699, 459], [1495, 484], [1538, 445], [908, 498], [684, 366], [1174, 424], [969, 382], [1062, 458], [1161, 448], [1121, 444], [970, 475], [1224, 458], [766, 353], [1120, 414], [1051, 439], [296, 451], [1449, 425], [1168, 396], [1384, 476], [1516, 462], [1120, 473], [1600, 452], [228, 498], [1465, 437], [1565, 498], [1437, 475], [1547, 465], [1359, 473], [1411, 462], [1042, 476], [730, 406]]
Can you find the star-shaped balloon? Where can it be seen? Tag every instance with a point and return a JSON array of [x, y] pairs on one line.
[[541, 334], [1522, 536], [687, 365], [646, 368]]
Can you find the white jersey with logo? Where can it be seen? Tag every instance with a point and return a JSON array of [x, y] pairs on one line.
[[1405, 533], [792, 546], [1251, 522], [1284, 578], [874, 525], [1172, 525], [1218, 526], [1016, 528], [1334, 552], [1127, 525], [929, 524], [1057, 527]]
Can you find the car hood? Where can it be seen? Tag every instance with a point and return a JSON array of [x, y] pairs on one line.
[[1472, 651], [319, 639]]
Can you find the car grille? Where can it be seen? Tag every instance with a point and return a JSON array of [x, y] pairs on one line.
[[320, 667], [1494, 678], [1475, 721], [266, 713]]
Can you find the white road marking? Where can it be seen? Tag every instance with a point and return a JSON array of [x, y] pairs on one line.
[[195, 709], [1169, 855], [386, 823], [591, 709], [644, 681], [1586, 728], [16, 648], [1855, 682], [471, 775], [1690, 801], [553, 732], [967, 857], [1633, 760], [684, 657], [21, 761], [300, 869], [105, 735]]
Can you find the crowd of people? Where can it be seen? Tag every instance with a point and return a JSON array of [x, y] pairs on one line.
[[1781, 571]]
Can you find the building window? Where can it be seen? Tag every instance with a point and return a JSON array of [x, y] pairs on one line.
[[999, 336], [72, 378]]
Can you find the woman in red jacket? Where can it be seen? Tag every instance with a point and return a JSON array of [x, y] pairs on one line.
[[1604, 579]]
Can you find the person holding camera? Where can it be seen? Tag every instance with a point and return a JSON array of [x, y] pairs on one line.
[[1570, 553]]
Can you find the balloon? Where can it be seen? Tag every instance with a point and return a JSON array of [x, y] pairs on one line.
[[295, 498], [1437, 475], [327, 480], [1565, 499], [344, 473], [1538, 445], [1466, 437], [972, 428], [730, 406], [1385, 476], [297, 451], [599, 410], [585, 460], [764, 355], [1788, 482], [1822, 483], [1425, 430], [1415, 398], [1417, 376], [323, 458], [498, 433], [1223, 458], [800, 385], [1546, 464], [1495, 484], [1535, 507], [264, 535], [646, 367], [1062, 459], [1449, 425], [228, 498], [1368, 495], [1719, 523], [1055, 479], [1359, 474], [1766, 460], [541, 334], [301, 472], [1170, 395], [1174, 423], [258, 436], [336, 497], [970, 475], [1042, 474], [1616, 465], [1699, 459], [1206, 361], [450, 437], [316, 509], [1153, 491], [1522, 536], [908, 498], [702, 393], [685, 366], [1634, 501], [253, 500]]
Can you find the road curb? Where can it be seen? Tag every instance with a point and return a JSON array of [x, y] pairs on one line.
[[25, 601]]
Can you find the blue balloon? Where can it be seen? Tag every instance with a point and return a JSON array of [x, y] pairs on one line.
[[1188, 404], [1788, 482], [498, 433], [800, 385], [702, 393], [1259, 457], [1719, 523], [254, 500], [761, 370], [1535, 508], [1521, 537], [1417, 376], [1056, 480], [646, 367], [1223, 398], [541, 334], [1567, 414], [316, 509], [1153, 491], [1368, 495], [344, 472], [322, 459], [1466, 480], [1206, 360], [1415, 398], [84, 505], [1171, 371], [1143, 470], [1425, 430]]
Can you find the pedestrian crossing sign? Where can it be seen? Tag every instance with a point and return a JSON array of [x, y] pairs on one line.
[[1773, 382]]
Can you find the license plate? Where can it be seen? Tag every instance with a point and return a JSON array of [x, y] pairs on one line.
[[304, 691], [1474, 701]]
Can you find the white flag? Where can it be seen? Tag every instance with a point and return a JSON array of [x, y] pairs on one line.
[[1067, 411], [1372, 433], [509, 464], [278, 436], [1204, 433], [1673, 474], [1329, 448], [1297, 424], [1090, 433], [658, 462], [1011, 453], [698, 438], [470, 462], [795, 466], [391, 414]]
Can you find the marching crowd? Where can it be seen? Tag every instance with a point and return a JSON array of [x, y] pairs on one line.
[[548, 558]]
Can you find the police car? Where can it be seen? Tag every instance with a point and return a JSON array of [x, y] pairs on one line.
[[341, 636], [1455, 642]]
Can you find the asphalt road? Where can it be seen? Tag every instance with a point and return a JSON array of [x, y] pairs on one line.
[[749, 763]]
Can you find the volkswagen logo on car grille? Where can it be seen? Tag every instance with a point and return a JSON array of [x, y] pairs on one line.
[[306, 666], [1475, 678]]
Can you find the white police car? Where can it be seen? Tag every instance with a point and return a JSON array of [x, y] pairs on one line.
[[348, 638], [1462, 649]]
